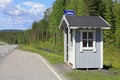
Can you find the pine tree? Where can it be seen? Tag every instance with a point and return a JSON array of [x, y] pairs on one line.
[[108, 15], [80, 10], [55, 18], [117, 23], [57, 13], [94, 7]]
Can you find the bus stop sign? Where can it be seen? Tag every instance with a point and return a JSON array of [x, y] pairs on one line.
[[69, 12]]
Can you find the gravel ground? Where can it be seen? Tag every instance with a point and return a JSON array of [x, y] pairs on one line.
[[21, 65], [63, 68]]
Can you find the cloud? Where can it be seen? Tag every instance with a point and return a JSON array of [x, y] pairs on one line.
[[33, 4], [3, 3], [36, 8], [23, 14]]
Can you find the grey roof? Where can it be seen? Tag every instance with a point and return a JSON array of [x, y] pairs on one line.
[[84, 22]]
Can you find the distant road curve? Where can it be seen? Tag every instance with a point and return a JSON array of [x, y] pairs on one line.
[[2, 43], [6, 50]]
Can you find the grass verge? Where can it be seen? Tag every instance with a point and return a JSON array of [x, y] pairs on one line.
[[51, 57], [91, 75], [112, 57], [80, 74]]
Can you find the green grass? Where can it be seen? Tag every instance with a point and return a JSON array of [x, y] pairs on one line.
[[112, 57], [51, 57], [58, 48], [91, 75]]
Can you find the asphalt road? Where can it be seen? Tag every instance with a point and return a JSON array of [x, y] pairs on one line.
[[6, 50], [21, 65]]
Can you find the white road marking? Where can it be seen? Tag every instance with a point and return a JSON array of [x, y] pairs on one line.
[[49, 67]]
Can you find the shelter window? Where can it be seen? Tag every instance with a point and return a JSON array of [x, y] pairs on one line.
[[88, 39]]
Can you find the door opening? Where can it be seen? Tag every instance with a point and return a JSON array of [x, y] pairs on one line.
[[67, 44]]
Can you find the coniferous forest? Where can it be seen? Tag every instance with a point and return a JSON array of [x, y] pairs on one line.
[[46, 34]]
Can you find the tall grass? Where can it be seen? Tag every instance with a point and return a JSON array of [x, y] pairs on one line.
[[51, 57], [56, 48], [112, 57]]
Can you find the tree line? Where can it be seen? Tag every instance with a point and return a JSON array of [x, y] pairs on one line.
[[47, 29]]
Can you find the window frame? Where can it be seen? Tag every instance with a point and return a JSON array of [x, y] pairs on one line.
[[93, 48]]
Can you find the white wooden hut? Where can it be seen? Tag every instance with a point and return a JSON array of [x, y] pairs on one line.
[[83, 40]]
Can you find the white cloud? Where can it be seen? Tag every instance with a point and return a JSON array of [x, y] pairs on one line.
[[33, 4], [3, 3], [36, 8], [19, 14]]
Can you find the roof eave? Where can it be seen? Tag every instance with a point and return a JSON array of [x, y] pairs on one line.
[[105, 21], [83, 27], [60, 24], [63, 19], [105, 28]]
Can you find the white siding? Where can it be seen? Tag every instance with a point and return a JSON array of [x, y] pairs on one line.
[[73, 49], [69, 48], [101, 48], [65, 45], [71, 43], [88, 58]]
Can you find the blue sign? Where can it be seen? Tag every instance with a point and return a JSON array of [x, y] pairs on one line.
[[69, 12]]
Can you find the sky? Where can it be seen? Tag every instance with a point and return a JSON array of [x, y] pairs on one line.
[[20, 14]]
